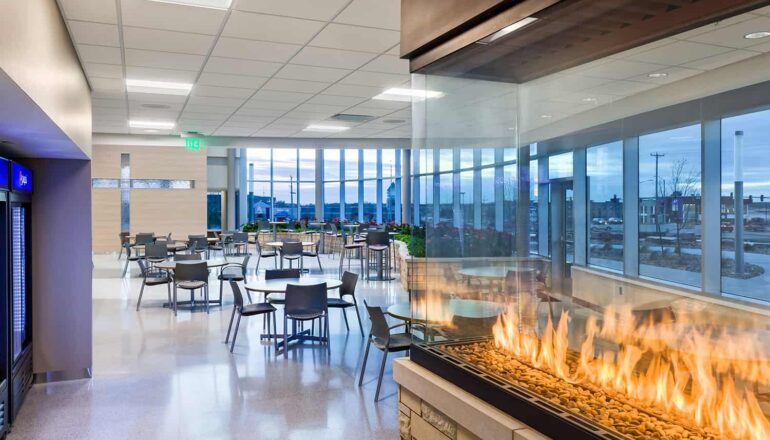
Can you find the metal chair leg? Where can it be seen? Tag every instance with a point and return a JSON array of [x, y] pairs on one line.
[[366, 356], [235, 334], [141, 292], [382, 372], [174, 304], [285, 338], [275, 329], [358, 315], [230, 327], [345, 315]]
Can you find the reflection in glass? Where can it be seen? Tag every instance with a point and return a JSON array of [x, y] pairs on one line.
[[605, 205], [370, 201], [488, 198], [466, 198]]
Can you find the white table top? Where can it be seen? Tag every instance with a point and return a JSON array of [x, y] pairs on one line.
[[279, 285], [466, 308], [170, 246], [278, 244], [212, 262], [493, 272], [278, 223]]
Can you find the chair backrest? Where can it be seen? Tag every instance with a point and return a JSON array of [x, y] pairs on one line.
[[191, 271], [291, 248], [245, 263], [240, 237], [263, 225], [237, 296], [379, 323], [124, 237], [333, 228], [349, 281], [156, 250], [200, 242], [305, 299], [145, 238], [275, 274], [377, 238], [187, 257], [142, 266]]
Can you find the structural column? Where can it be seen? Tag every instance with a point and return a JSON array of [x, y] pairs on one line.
[[522, 201], [580, 205], [631, 206], [319, 184], [243, 213], [711, 205], [231, 185]]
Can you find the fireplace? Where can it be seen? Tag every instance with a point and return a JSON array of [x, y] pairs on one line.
[[587, 188]]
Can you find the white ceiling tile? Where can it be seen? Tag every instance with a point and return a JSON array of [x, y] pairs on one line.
[[385, 14], [153, 74], [99, 94], [353, 90], [108, 84], [193, 115], [255, 50], [672, 74], [100, 11], [310, 9], [163, 60], [315, 73], [320, 108], [272, 95], [387, 64], [395, 50], [156, 98], [103, 70], [260, 107], [226, 80], [374, 79], [135, 104], [362, 110], [232, 103], [109, 103], [241, 67], [386, 105], [84, 32], [720, 60], [222, 92], [678, 52], [764, 47], [270, 28], [346, 101], [621, 69], [271, 112], [733, 35], [172, 17], [324, 57], [290, 85], [343, 36], [274, 132], [99, 54], [167, 41], [199, 110], [146, 113], [234, 132], [240, 119]]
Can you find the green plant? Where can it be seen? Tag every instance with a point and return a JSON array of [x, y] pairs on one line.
[[250, 227]]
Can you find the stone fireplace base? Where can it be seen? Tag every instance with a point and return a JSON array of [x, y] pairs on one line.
[[432, 408]]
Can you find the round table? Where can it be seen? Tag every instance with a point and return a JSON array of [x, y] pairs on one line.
[[466, 308], [279, 244], [210, 263], [174, 247], [275, 228], [279, 285], [493, 272]]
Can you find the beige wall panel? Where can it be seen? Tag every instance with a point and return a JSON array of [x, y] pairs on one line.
[[168, 163], [105, 162], [181, 212], [105, 219]]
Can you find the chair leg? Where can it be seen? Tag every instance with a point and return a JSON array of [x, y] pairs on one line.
[[342, 258], [174, 299], [275, 330], [206, 297], [221, 283], [285, 338], [328, 336], [168, 292], [318, 257], [366, 356], [345, 315], [259, 257], [125, 267], [382, 372], [230, 327], [358, 315], [235, 333]]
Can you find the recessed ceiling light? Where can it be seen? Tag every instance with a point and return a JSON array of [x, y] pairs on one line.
[[755, 35], [589, 99], [211, 4], [326, 128], [546, 116], [158, 125], [407, 95], [658, 75], [158, 87], [507, 30]]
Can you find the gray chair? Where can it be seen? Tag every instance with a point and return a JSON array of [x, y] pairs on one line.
[[292, 251], [305, 303], [191, 275], [276, 274], [248, 310], [265, 253], [385, 341], [199, 244], [377, 246], [348, 289], [313, 252], [135, 256], [240, 243], [153, 277], [233, 272], [125, 242], [156, 252], [348, 249], [188, 257]]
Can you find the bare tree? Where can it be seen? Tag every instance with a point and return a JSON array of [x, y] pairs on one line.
[[683, 185]]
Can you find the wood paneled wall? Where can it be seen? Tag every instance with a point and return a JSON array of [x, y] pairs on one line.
[[179, 211]]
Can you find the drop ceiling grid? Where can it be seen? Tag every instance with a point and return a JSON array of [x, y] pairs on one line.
[[158, 48]]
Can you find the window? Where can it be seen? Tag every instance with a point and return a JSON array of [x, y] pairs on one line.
[[446, 205], [331, 200], [466, 158], [745, 141], [487, 156], [370, 164], [669, 205], [534, 231], [487, 197], [466, 197], [390, 198], [426, 161], [605, 205], [214, 210], [388, 163], [306, 165], [351, 164], [509, 197], [370, 200], [285, 164], [351, 201], [331, 165], [426, 199], [560, 166], [446, 160], [307, 201]]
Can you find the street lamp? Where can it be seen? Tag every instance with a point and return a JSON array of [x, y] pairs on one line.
[[738, 178]]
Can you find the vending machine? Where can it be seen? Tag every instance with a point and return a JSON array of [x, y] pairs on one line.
[[5, 323], [18, 250]]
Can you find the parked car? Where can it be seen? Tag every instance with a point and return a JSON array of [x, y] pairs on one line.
[[726, 227]]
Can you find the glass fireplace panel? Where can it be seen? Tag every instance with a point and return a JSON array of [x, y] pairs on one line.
[[611, 295]]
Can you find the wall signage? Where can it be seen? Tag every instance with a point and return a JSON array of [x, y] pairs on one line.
[[21, 178]]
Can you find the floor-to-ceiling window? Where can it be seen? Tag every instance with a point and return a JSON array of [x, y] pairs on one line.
[[670, 205], [605, 205], [306, 192], [331, 179]]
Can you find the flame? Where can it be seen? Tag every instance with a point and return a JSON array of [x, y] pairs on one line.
[[433, 307], [705, 375]]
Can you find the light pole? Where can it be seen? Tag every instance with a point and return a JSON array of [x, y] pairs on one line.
[[738, 177]]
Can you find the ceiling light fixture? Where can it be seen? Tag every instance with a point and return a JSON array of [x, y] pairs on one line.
[[158, 87], [546, 116], [589, 99], [210, 4], [157, 125], [326, 128], [407, 95], [507, 30], [658, 75], [756, 35]]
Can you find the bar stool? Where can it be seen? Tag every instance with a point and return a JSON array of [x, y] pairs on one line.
[[347, 249], [378, 245]]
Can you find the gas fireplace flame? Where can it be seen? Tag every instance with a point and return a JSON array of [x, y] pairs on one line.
[[704, 374]]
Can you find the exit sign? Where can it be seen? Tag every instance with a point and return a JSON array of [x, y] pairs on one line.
[[193, 144]]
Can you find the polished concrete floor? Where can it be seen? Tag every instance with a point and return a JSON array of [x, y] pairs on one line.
[[165, 377]]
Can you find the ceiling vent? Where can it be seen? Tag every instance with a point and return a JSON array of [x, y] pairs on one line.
[[394, 121], [344, 117]]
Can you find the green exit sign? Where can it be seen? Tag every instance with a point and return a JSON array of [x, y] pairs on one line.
[[193, 144]]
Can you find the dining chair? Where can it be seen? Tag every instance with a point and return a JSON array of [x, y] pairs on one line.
[[292, 250], [377, 245], [125, 241], [153, 277], [233, 272], [348, 288], [381, 337], [199, 244], [314, 252], [305, 303], [276, 274], [263, 252], [191, 276], [240, 243], [188, 257], [136, 256], [348, 248], [156, 252], [143, 238], [248, 310]]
